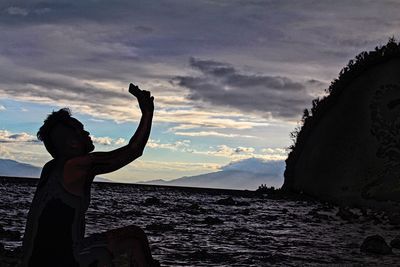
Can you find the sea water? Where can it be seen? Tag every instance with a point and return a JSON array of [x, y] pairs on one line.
[[196, 227]]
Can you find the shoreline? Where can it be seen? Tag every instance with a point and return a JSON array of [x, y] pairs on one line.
[[236, 192]]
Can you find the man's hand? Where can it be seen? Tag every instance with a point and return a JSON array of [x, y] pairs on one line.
[[146, 101]]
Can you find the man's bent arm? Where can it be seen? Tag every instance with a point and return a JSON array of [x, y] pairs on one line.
[[105, 162]]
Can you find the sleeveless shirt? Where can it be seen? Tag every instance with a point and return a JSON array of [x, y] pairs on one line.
[[56, 221]]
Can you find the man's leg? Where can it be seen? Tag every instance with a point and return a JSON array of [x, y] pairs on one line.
[[132, 240], [93, 251]]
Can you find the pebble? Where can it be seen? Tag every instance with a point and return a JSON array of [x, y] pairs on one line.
[[226, 201], [375, 244], [212, 220], [394, 219], [346, 214], [10, 234], [229, 201], [2, 249], [395, 243], [152, 201], [160, 227]]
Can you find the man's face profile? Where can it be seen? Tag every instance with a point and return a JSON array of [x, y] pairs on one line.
[[71, 139]]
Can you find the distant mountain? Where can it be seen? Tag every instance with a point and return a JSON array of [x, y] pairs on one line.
[[245, 174], [103, 180], [10, 167], [14, 168]]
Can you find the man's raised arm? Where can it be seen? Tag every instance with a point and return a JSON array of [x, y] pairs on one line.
[[105, 162]]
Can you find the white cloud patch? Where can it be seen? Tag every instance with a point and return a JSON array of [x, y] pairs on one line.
[[213, 133], [102, 140], [120, 141], [107, 141], [175, 165], [2, 108], [181, 145], [274, 150], [241, 153], [9, 137]]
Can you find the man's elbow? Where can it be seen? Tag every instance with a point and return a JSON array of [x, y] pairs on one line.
[[139, 153], [136, 149]]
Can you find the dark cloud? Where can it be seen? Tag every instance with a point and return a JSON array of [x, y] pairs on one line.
[[222, 84], [51, 48]]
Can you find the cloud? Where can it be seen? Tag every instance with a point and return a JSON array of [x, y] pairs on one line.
[[102, 140], [107, 141], [222, 84], [242, 152], [240, 149], [274, 151], [29, 152], [17, 11], [2, 108], [224, 150], [213, 133], [9, 137], [58, 52], [181, 145], [206, 118], [173, 165], [227, 151], [120, 141]]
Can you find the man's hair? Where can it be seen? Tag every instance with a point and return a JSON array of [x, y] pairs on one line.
[[56, 117]]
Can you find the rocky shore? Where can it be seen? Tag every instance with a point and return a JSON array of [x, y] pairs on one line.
[[279, 232]]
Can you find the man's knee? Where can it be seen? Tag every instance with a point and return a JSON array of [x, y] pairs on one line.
[[136, 232], [128, 232]]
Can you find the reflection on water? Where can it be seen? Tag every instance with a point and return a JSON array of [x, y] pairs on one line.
[[196, 228]]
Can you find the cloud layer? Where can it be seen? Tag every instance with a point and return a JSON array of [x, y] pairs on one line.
[[265, 54], [222, 84]]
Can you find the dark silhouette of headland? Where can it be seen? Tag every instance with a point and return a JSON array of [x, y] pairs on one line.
[[348, 148]]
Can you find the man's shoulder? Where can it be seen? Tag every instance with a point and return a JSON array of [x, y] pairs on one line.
[[49, 164]]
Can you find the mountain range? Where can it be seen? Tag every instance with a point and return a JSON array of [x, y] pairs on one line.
[[14, 168], [245, 174]]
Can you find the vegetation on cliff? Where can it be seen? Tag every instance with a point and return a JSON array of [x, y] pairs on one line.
[[320, 106]]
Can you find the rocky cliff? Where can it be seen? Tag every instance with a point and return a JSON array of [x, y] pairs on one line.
[[348, 148]]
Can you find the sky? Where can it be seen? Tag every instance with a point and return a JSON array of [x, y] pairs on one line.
[[230, 78]]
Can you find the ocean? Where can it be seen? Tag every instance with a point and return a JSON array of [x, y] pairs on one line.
[[205, 227]]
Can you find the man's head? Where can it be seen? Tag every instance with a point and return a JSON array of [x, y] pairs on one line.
[[64, 136]]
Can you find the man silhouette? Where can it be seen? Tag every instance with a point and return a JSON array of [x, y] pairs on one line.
[[55, 229]]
